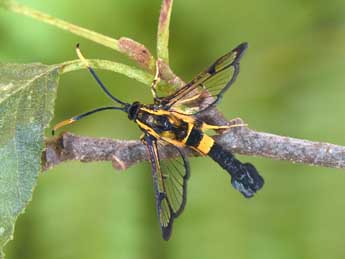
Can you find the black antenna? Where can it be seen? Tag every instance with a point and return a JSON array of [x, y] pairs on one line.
[[104, 88]]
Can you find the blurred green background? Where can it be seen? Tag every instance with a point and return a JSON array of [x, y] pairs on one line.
[[292, 82]]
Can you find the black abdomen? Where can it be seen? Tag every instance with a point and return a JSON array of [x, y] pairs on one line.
[[244, 177]]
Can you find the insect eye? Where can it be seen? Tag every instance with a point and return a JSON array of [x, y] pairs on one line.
[[133, 110]]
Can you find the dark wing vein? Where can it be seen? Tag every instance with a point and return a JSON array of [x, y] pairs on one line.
[[207, 88], [170, 182]]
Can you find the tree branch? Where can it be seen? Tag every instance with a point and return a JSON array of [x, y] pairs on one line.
[[242, 140], [125, 153]]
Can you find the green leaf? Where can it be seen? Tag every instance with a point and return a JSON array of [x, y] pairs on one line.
[[27, 95]]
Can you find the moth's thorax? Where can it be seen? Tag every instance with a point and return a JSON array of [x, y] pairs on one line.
[[161, 123]]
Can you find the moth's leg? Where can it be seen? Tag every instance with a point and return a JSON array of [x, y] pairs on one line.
[[142, 138], [237, 122], [206, 126]]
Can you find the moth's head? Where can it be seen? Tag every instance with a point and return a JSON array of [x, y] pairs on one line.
[[132, 110]]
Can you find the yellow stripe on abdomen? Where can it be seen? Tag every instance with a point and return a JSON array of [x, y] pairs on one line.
[[205, 144]]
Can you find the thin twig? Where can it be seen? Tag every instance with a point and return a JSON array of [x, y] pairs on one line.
[[129, 47], [242, 140]]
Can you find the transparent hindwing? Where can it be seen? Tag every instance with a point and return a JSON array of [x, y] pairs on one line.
[[170, 171]]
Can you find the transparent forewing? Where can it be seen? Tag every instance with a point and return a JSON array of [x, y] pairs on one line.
[[207, 88], [170, 182]]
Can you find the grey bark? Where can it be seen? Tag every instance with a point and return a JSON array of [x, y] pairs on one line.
[[241, 140]]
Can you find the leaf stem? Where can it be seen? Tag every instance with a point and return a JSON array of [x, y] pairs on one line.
[[126, 70], [163, 31]]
